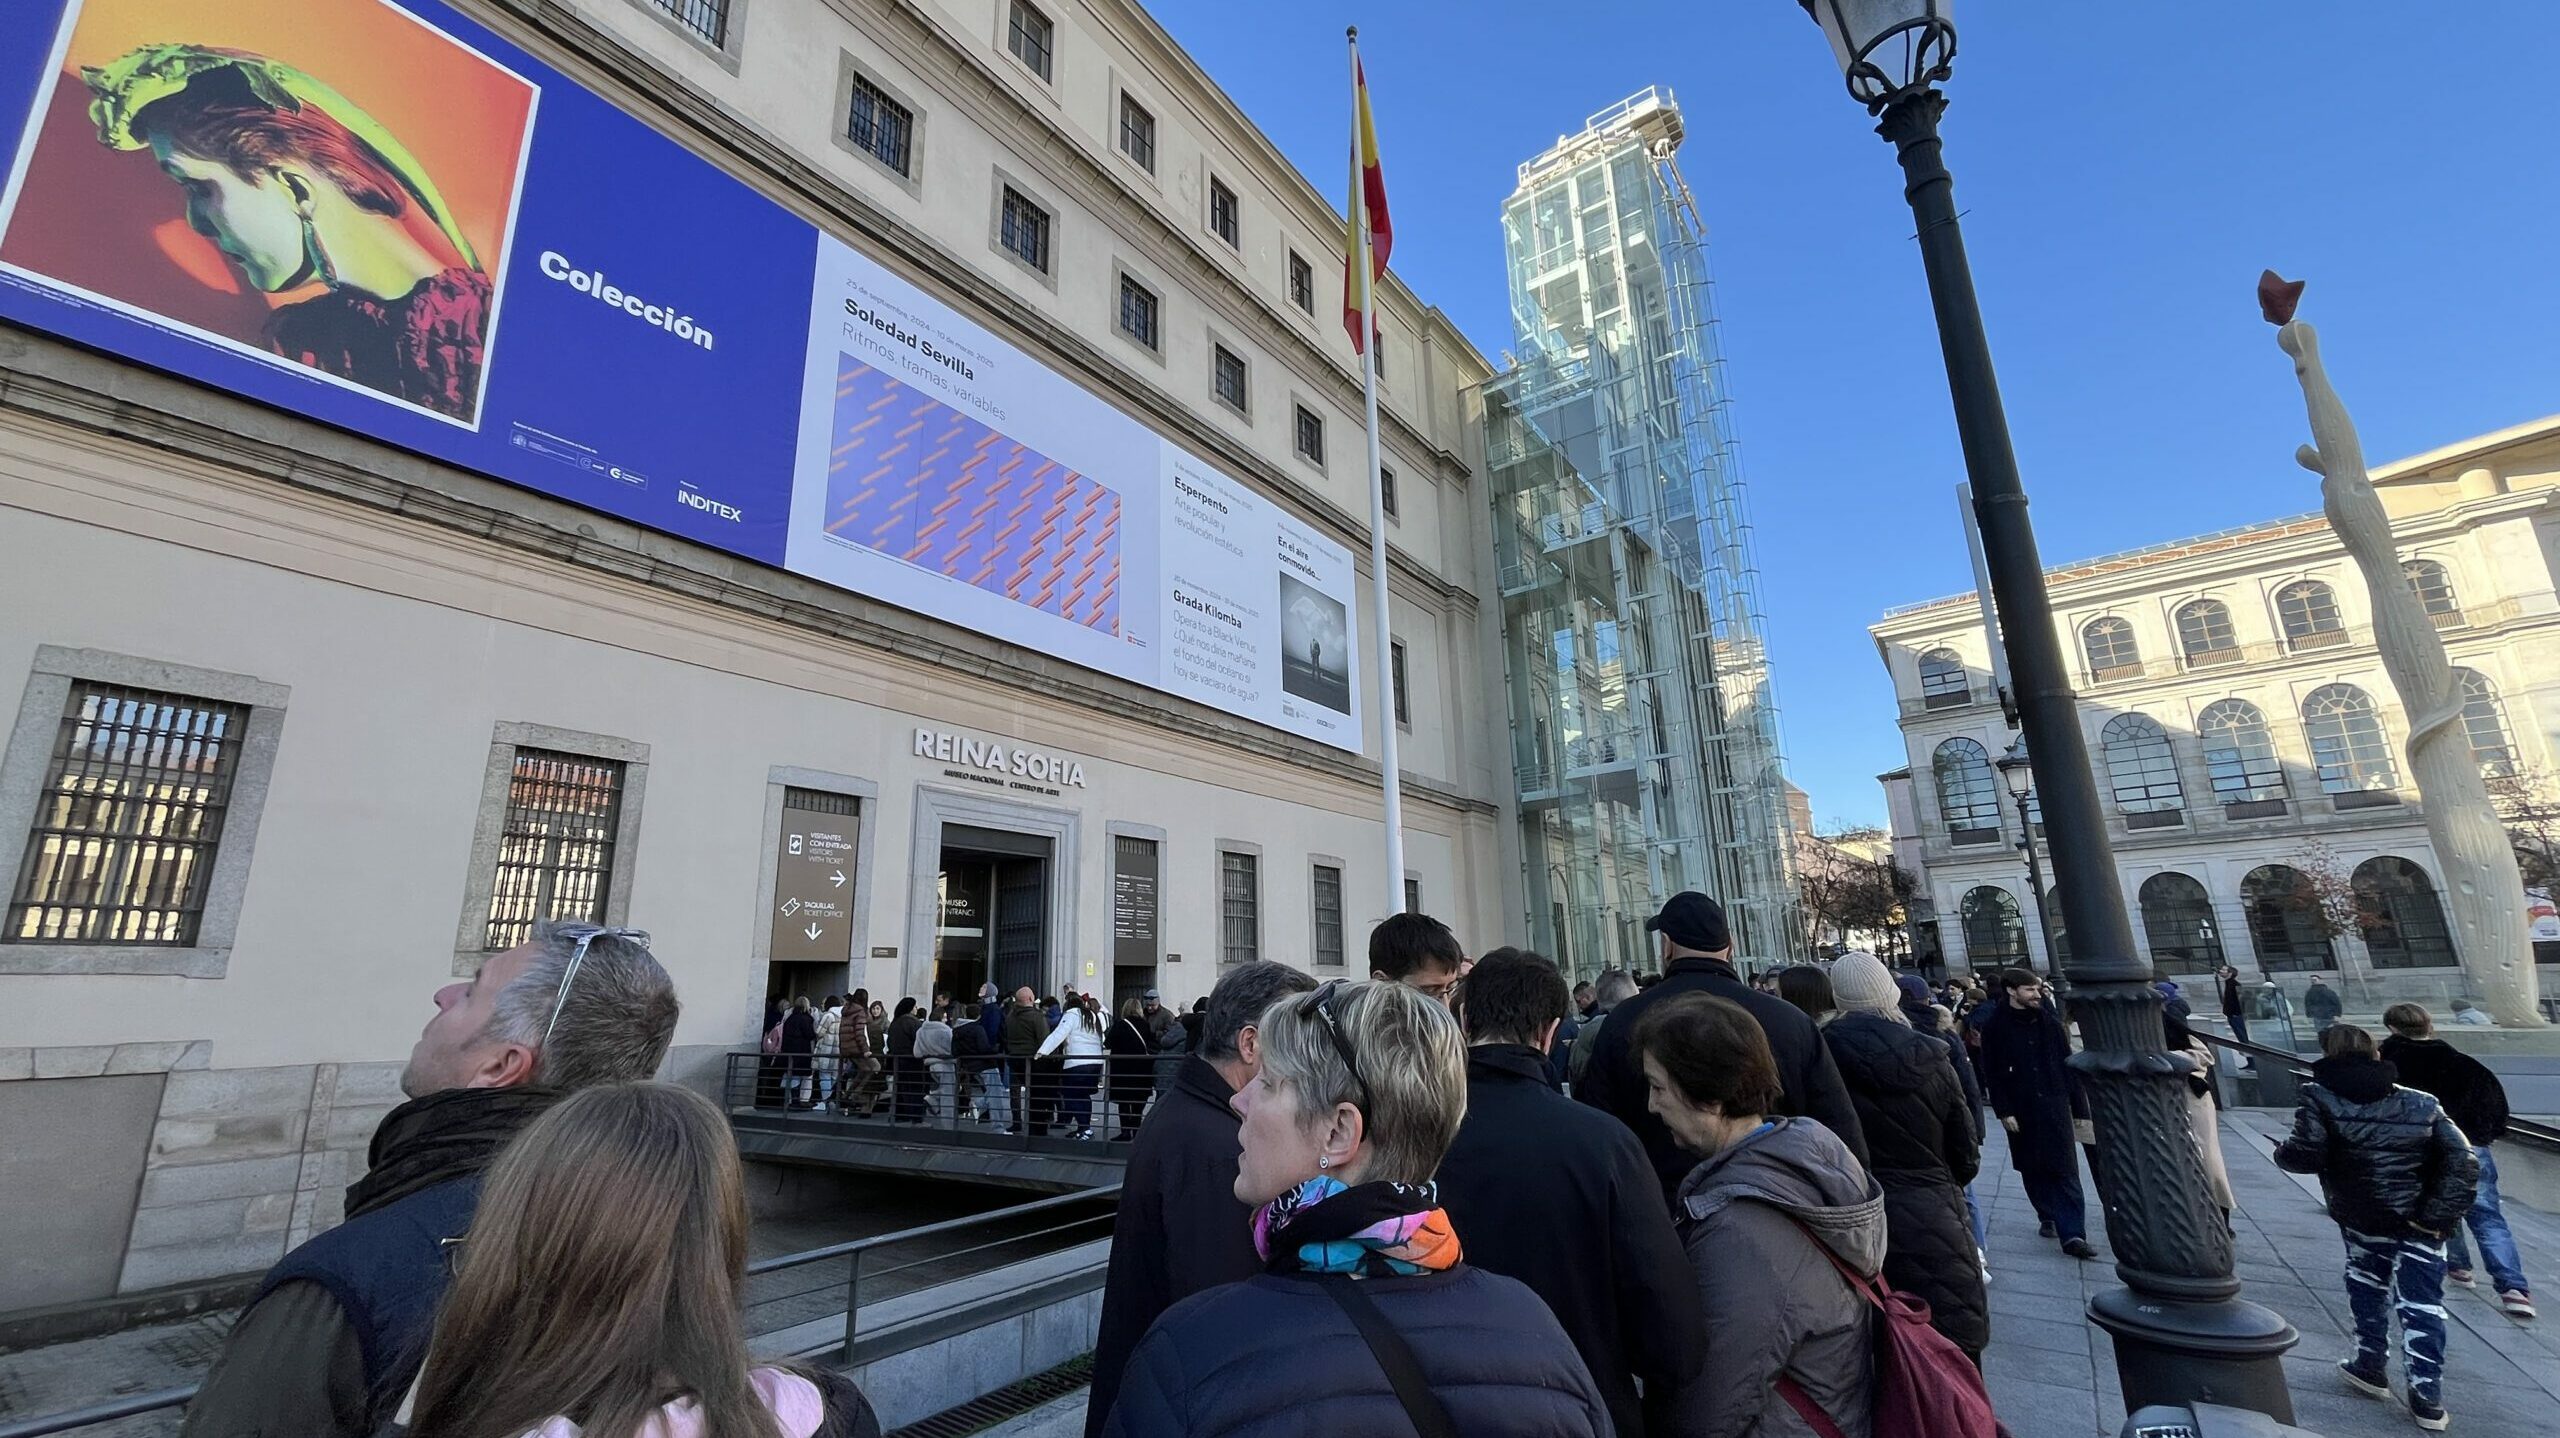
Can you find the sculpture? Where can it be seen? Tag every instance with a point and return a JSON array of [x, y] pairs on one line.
[[2483, 889]]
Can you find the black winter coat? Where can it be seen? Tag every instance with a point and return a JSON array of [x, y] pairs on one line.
[[1276, 1357], [2470, 1093], [1561, 1197], [2026, 1073], [799, 1032], [1924, 1151], [1809, 1083], [1924, 1021], [1131, 1061], [2388, 1158], [1180, 1229]]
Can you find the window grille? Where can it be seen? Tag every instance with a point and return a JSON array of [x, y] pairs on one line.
[[707, 20], [1310, 436], [881, 127], [1138, 134], [1943, 681], [1387, 490], [2109, 645], [1229, 377], [555, 853], [1328, 937], [1025, 230], [1404, 706], [2240, 753], [1138, 310], [1226, 216], [2141, 767], [1239, 908], [1302, 282]]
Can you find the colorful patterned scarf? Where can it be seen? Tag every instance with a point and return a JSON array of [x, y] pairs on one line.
[[1376, 1230]]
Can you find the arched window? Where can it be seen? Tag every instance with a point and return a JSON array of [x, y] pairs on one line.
[[2308, 610], [2402, 920], [2486, 724], [2285, 922], [2057, 941], [1994, 936], [2108, 643], [2240, 753], [2434, 588], [2347, 741], [2205, 635], [1968, 797], [2178, 917], [2142, 771], [1943, 681]]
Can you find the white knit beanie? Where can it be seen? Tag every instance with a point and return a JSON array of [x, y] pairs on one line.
[[1860, 983]]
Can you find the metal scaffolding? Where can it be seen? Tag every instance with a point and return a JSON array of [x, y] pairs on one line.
[[1645, 726]]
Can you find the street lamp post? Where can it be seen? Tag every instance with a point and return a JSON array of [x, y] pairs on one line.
[[2019, 774], [2181, 1331]]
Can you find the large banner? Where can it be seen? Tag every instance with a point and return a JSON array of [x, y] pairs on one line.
[[386, 218]]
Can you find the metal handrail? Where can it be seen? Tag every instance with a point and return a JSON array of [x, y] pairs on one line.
[[2530, 1133], [133, 1405]]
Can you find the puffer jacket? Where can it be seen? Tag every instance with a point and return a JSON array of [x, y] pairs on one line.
[[1921, 1144], [1276, 1357], [1774, 1303], [2388, 1158]]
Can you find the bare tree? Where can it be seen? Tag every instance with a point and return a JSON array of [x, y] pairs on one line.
[[2526, 804], [2327, 893]]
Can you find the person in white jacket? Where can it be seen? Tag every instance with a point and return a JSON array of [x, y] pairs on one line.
[[1079, 1033], [825, 1050]]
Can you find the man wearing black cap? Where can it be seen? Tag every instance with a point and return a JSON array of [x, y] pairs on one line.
[[1697, 958]]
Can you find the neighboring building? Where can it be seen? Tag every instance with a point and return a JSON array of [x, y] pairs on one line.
[[2248, 745], [1644, 728], [655, 678]]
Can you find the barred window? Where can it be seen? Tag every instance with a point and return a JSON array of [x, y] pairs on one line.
[[1302, 282], [707, 19], [1226, 215], [128, 819], [2309, 613], [1031, 38], [1310, 436], [1138, 134], [1387, 490], [1138, 311], [1228, 375], [1404, 703], [881, 127], [2204, 633], [2109, 645], [1328, 903], [1412, 895], [1025, 230], [1239, 907], [555, 853]]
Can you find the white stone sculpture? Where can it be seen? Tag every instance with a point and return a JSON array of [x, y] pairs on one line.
[[2483, 889]]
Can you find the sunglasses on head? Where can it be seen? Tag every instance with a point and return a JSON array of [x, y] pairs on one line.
[[582, 935], [1319, 1005]]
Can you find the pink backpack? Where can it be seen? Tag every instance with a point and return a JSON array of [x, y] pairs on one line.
[[1924, 1385]]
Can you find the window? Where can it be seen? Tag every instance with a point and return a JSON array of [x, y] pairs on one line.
[[1378, 348], [881, 127], [555, 852], [2240, 754], [1395, 663], [1138, 312], [2178, 917], [2486, 725], [1227, 374], [2400, 916], [2285, 920], [1024, 230], [1968, 796], [707, 20], [2434, 588], [1328, 895], [1302, 282], [2308, 612], [1239, 907], [1994, 936], [2142, 770], [2108, 643], [2204, 633], [1943, 681], [1226, 217], [2347, 742], [1310, 436], [1412, 895], [1387, 490], [128, 819], [1138, 134], [1032, 39]]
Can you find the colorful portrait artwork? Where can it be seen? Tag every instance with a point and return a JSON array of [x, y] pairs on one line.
[[327, 184]]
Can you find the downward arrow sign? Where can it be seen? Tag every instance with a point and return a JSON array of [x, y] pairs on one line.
[[813, 931], [837, 879]]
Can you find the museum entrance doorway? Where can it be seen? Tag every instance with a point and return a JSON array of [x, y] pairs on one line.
[[991, 911]]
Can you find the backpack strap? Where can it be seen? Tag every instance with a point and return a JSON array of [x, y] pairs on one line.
[[1404, 1371], [1806, 1409]]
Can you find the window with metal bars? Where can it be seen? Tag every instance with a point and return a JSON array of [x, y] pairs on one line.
[[2434, 588], [1032, 38], [2309, 613], [1404, 700], [1239, 907], [1328, 906], [1139, 308], [1387, 490], [1310, 436], [1227, 373], [1025, 229], [128, 819], [2204, 633], [1302, 282], [555, 852], [1412, 895], [706, 19], [881, 127], [1226, 215], [1138, 134]]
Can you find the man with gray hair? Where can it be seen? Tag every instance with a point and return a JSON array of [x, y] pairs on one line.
[[1181, 1228], [338, 1329]]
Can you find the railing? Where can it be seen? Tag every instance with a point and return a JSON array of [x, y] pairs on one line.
[[2278, 1074], [1040, 1108], [852, 1286]]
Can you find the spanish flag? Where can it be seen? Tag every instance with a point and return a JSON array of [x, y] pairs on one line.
[[1369, 191]]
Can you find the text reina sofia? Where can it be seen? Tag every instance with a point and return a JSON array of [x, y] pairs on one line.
[[996, 758]]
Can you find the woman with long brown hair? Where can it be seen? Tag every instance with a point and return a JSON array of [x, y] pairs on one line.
[[598, 1292]]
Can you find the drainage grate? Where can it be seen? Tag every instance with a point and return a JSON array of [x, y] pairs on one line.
[[981, 1414]]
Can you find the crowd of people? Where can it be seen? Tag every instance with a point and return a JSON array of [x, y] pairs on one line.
[[1454, 1198]]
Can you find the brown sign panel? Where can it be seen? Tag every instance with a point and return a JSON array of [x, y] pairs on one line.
[[1133, 900], [813, 882]]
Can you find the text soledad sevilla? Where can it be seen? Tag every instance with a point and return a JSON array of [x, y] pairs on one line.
[[996, 758]]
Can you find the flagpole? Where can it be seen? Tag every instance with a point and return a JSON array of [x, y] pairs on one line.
[[1384, 701]]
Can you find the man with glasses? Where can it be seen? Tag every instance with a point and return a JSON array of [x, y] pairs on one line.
[[337, 1330], [1417, 951], [2027, 1076]]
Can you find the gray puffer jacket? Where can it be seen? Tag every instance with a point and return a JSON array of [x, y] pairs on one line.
[[1774, 1303]]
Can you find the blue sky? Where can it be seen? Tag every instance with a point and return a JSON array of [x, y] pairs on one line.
[[2124, 173]]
